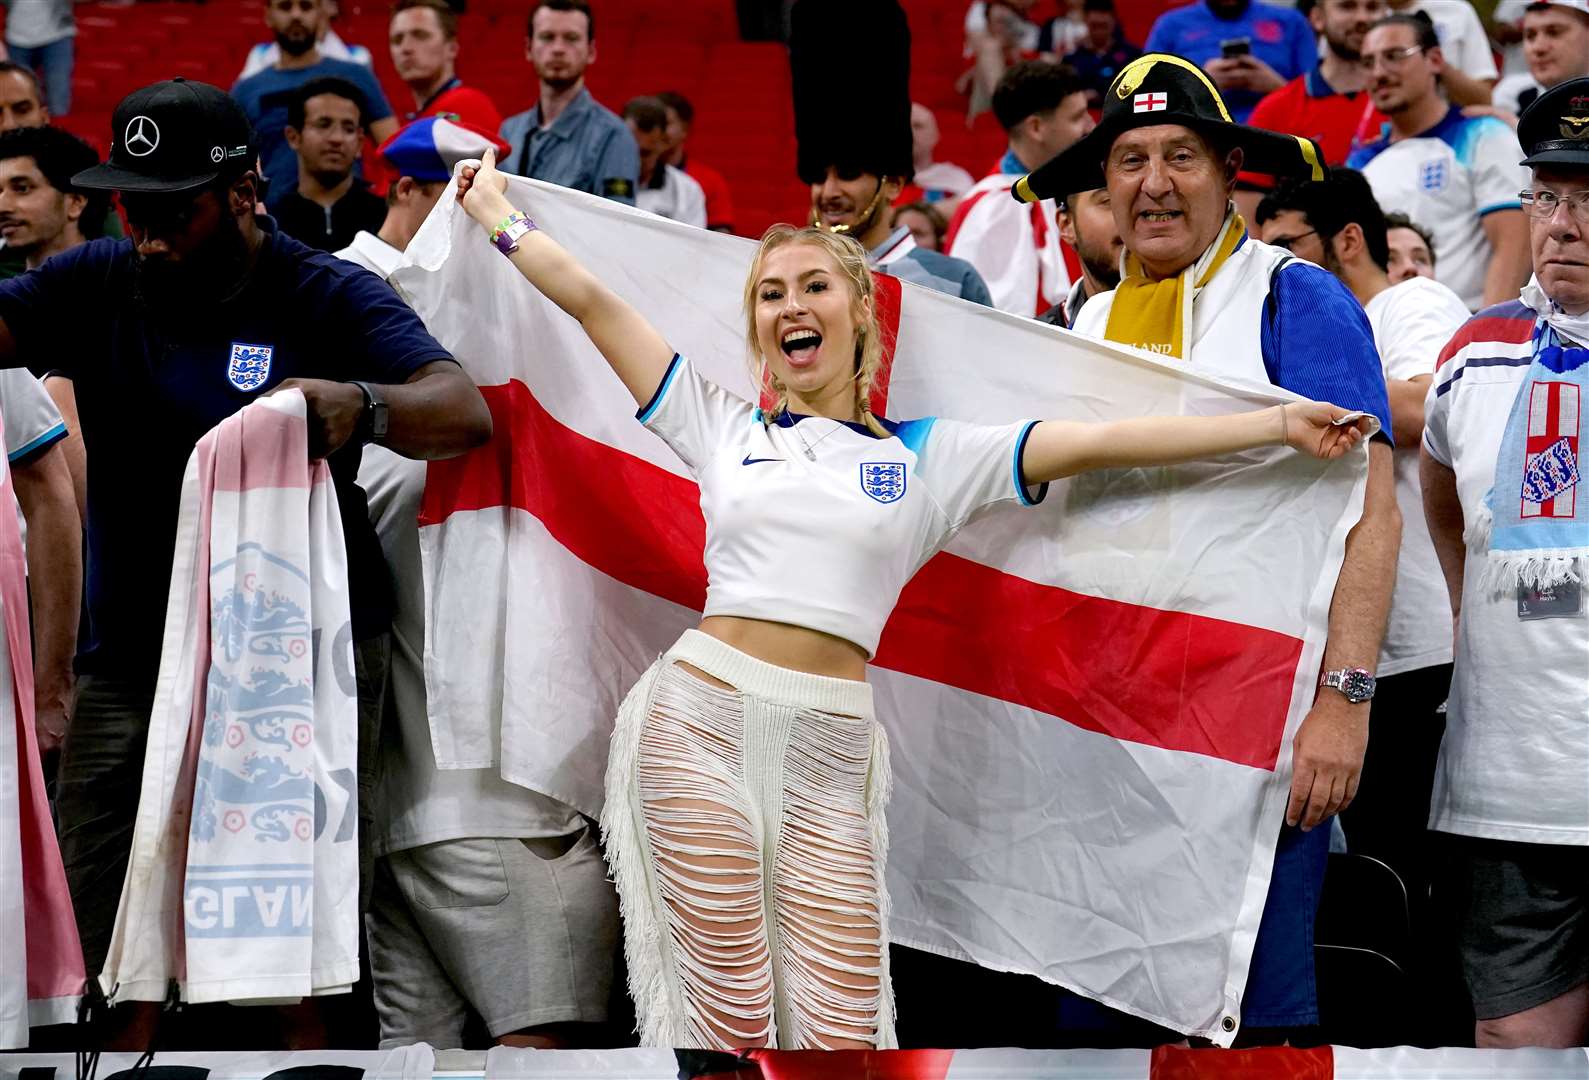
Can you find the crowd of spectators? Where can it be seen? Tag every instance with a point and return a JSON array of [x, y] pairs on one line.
[[1420, 221]]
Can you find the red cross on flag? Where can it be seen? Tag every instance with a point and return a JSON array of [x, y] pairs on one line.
[[1550, 473], [1150, 103], [1117, 673]]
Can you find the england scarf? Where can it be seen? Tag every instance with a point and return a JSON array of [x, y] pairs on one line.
[[41, 959], [243, 880], [1090, 704]]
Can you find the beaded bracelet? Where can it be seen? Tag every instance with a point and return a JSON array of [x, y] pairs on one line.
[[506, 235]]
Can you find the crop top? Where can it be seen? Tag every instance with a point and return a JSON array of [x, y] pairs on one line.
[[827, 544]]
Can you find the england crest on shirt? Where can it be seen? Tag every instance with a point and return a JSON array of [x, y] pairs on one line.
[[249, 365], [1432, 175], [883, 480]]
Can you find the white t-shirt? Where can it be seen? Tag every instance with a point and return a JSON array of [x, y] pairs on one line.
[[32, 421], [1514, 763], [826, 541], [1447, 179], [425, 804], [1513, 62], [944, 177], [1463, 41], [1508, 93], [1412, 322], [675, 195], [372, 253], [32, 23]]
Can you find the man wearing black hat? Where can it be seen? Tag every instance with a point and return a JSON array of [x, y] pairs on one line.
[[855, 146], [1508, 512], [1196, 288], [183, 310]]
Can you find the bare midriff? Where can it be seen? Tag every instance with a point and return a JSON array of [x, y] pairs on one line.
[[793, 647]]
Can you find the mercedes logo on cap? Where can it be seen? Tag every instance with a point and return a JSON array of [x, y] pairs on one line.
[[142, 136], [217, 155]]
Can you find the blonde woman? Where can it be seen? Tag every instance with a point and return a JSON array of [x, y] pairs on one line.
[[747, 778]]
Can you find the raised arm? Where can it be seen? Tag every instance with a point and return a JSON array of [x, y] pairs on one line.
[[638, 354], [1060, 448]]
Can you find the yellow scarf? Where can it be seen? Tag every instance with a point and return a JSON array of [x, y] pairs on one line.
[[1157, 315]]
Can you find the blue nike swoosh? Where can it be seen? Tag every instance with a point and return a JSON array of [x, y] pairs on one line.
[[757, 461]]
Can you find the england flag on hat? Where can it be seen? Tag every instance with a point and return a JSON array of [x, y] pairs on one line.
[[429, 148]]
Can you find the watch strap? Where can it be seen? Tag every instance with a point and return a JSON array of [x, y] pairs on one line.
[[372, 420]]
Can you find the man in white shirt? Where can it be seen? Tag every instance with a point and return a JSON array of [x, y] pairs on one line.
[[664, 189], [1501, 484], [1014, 246], [941, 182], [1470, 66], [1555, 47], [490, 900], [1456, 175], [421, 156], [1338, 225]]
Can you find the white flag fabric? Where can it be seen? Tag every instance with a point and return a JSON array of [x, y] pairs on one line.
[[41, 958], [1090, 705], [243, 879]]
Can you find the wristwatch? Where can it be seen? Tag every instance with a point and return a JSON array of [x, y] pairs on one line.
[[1354, 682], [372, 421]]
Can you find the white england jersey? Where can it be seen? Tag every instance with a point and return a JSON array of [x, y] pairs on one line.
[[1446, 180], [1412, 322], [1515, 755], [820, 523]]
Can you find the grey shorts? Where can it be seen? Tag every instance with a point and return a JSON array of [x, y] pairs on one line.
[[520, 933], [1524, 921]]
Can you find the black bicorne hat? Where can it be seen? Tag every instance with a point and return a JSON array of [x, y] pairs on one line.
[[1554, 129], [850, 60], [1162, 89]]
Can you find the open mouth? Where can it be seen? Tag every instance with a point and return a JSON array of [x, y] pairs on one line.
[[801, 345], [1158, 217]]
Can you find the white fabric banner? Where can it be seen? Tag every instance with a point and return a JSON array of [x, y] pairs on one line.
[[1090, 704], [243, 879], [41, 958]]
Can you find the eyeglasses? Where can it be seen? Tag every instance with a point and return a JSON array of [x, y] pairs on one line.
[[1391, 58], [1542, 204], [1287, 241]]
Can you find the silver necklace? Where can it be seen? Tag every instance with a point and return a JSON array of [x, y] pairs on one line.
[[810, 447]]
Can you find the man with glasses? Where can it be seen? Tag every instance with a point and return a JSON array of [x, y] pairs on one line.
[[1508, 512], [1457, 174], [1338, 225]]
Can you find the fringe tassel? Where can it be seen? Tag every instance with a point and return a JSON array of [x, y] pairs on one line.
[[624, 836], [879, 787], [1503, 571]]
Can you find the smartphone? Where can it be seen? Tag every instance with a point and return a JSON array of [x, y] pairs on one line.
[[1234, 47]]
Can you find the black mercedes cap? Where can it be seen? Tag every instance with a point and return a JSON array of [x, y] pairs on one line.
[[1162, 89], [1554, 130], [172, 136]]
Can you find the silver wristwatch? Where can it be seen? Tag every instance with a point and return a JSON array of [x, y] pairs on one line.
[[1356, 683]]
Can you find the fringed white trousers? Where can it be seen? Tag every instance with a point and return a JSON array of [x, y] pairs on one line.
[[746, 834]]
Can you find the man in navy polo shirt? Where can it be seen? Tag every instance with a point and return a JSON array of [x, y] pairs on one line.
[[200, 283]]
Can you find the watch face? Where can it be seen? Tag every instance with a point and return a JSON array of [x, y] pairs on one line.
[[1358, 685]]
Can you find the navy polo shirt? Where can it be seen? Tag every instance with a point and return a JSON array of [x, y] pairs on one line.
[[151, 381]]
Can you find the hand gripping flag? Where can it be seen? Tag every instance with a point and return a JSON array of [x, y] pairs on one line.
[[242, 884], [1090, 705], [41, 959]]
